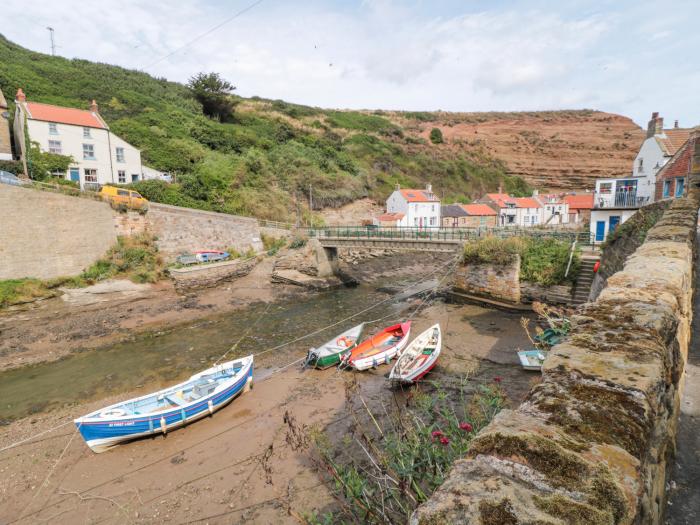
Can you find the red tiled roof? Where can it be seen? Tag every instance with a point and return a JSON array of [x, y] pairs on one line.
[[419, 196], [672, 139], [477, 209], [500, 199], [387, 217], [526, 202], [580, 202], [678, 166], [61, 115]]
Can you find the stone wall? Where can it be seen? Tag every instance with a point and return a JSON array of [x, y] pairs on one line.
[[560, 294], [500, 282], [130, 223], [182, 230], [208, 275], [590, 443], [46, 235]]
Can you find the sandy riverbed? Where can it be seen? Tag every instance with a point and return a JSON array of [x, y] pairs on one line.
[[236, 467]]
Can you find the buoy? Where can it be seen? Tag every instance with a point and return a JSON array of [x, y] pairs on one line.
[[596, 266]]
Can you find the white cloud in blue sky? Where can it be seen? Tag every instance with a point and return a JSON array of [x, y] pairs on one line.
[[625, 57]]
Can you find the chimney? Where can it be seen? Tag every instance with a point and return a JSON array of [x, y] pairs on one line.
[[675, 124], [93, 106], [500, 188], [429, 188], [655, 125], [20, 96], [397, 186], [535, 193]]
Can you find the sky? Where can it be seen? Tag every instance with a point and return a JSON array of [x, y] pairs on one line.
[[625, 57]]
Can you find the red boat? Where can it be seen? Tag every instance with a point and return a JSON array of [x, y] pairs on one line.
[[380, 348]]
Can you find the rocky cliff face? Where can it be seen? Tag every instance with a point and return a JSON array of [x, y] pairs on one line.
[[550, 150]]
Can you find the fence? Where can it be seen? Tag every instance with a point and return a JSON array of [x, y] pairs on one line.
[[444, 234]]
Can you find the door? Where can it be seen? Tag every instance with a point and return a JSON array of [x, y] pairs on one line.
[[75, 174], [614, 221], [599, 231]]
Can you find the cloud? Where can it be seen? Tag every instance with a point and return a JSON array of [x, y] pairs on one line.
[[387, 54]]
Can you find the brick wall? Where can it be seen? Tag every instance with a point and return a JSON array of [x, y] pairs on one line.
[[47, 235]]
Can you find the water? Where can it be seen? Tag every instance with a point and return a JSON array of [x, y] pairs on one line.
[[151, 362]]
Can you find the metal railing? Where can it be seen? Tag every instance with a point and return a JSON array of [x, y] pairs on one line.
[[264, 223], [621, 199], [442, 234]]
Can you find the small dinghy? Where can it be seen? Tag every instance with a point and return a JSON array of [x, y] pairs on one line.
[[378, 349], [329, 354], [419, 357], [201, 395], [532, 359]]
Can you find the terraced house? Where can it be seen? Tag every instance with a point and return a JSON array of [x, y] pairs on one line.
[[5, 146], [99, 156]]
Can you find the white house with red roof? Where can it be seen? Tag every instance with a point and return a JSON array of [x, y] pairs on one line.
[[99, 156], [617, 199], [555, 209], [420, 208], [520, 212]]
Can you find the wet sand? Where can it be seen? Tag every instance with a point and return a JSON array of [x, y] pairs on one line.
[[237, 466]]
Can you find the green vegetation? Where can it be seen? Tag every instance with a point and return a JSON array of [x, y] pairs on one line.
[[542, 260], [272, 244], [135, 258], [436, 136], [400, 462], [263, 159]]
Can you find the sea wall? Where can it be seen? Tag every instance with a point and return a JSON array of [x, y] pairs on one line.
[[46, 235], [500, 282], [181, 230], [592, 441]]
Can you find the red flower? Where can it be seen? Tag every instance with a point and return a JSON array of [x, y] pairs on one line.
[[466, 427], [444, 440], [436, 434], [498, 379]]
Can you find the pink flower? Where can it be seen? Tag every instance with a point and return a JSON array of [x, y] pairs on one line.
[[444, 440], [466, 427], [498, 379], [436, 434]]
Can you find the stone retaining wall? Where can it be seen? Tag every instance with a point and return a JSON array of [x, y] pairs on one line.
[[590, 443], [500, 282], [182, 230], [211, 274]]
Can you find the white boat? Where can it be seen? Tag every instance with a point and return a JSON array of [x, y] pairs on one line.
[[330, 353], [532, 359], [419, 358], [158, 413], [378, 349]]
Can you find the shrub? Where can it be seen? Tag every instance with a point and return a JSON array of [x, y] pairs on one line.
[[436, 136], [493, 250], [17, 291], [272, 244], [135, 258]]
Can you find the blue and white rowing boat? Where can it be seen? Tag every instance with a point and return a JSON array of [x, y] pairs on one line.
[[201, 395]]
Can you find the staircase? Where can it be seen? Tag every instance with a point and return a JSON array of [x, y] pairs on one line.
[[584, 279]]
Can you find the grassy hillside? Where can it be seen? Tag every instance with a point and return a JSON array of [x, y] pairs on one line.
[[264, 162]]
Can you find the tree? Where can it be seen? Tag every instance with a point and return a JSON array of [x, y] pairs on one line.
[[214, 93], [436, 136], [41, 164]]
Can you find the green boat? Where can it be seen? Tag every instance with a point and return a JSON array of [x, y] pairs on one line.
[[329, 354]]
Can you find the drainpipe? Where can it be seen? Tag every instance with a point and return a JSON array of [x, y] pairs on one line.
[[109, 145]]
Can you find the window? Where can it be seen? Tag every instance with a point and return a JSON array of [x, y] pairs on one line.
[[121, 174], [415, 221], [88, 152], [534, 219], [680, 186], [605, 188], [135, 195], [640, 166], [433, 221], [90, 175], [120, 154], [527, 219], [667, 189], [53, 128], [55, 146], [58, 173], [86, 133], [123, 193], [134, 177]]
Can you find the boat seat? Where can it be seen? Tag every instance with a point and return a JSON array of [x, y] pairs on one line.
[[174, 400]]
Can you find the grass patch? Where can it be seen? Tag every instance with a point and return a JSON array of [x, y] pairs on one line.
[[542, 261], [390, 465], [18, 291], [135, 258], [272, 244]]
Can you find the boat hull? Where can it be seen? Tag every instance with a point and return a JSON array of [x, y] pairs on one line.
[[103, 435], [415, 375], [330, 360], [384, 357]]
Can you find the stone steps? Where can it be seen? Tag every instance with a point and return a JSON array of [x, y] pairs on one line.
[[584, 280]]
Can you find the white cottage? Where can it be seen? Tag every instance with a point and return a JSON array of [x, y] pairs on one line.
[[99, 156], [617, 199], [420, 208]]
